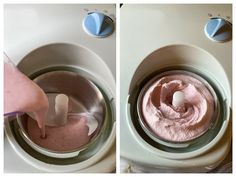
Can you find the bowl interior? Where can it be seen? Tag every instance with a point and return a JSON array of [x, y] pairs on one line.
[[149, 131], [85, 96]]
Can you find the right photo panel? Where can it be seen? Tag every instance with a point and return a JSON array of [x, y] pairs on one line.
[[175, 88]]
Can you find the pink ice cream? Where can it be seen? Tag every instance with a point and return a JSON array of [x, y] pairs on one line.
[[23, 95], [63, 138], [183, 123]]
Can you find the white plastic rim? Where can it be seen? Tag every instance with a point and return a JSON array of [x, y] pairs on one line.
[[182, 55], [66, 54], [187, 57], [171, 155], [76, 55], [54, 55]]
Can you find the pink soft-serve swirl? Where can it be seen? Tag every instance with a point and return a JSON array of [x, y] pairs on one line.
[[178, 124]]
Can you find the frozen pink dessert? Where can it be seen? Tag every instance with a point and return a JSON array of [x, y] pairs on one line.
[[178, 107], [23, 95], [62, 138]]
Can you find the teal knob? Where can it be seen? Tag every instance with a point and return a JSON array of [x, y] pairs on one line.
[[98, 24], [218, 30]]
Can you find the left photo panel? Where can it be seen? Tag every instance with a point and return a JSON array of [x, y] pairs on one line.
[[59, 88]]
